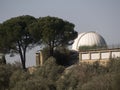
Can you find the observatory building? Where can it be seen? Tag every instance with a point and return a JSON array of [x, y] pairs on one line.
[[88, 39], [99, 51]]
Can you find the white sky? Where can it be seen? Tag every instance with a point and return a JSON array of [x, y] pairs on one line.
[[102, 16]]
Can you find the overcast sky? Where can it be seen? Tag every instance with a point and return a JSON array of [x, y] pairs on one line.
[[102, 16]]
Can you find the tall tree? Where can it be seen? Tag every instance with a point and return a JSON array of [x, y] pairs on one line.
[[18, 35], [36, 32], [55, 32], [4, 44], [4, 40]]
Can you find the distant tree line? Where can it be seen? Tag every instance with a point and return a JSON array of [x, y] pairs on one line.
[[94, 47], [21, 33]]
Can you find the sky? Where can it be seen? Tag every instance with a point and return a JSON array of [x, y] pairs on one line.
[[102, 16]]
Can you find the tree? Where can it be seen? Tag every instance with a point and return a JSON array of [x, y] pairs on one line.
[[36, 31], [6, 71], [4, 44], [55, 32], [18, 36]]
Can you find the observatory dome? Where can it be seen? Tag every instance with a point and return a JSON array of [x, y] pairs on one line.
[[88, 39]]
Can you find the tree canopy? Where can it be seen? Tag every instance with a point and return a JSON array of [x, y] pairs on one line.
[[17, 35], [55, 32]]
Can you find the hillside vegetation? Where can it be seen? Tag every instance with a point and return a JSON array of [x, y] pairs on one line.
[[52, 76]]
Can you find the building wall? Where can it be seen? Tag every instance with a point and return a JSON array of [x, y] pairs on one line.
[[99, 55], [39, 58]]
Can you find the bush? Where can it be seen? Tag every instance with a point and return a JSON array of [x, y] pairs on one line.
[[101, 82], [34, 84], [49, 69], [116, 82], [19, 76], [4, 77], [52, 76], [65, 57], [44, 78], [6, 71], [114, 65], [76, 76]]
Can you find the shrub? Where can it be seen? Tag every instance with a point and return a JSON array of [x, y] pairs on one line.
[[44, 78], [6, 71], [116, 82], [114, 65], [49, 69], [65, 57], [19, 76], [34, 84], [101, 82]]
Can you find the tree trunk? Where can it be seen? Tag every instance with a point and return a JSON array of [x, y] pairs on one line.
[[24, 57], [23, 60], [23, 65], [51, 51], [4, 59], [22, 52]]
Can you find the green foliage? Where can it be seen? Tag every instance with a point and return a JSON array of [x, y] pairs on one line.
[[16, 36], [94, 47], [2, 59], [5, 42], [6, 71], [17, 29], [54, 32], [101, 82], [36, 31], [114, 65], [90, 77], [116, 81], [76, 76], [63, 56], [33, 84], [18, 78], [68, 81], [49, 69], [52, 76], [4, 77], [55, 29], [21, 33], [44, 78]]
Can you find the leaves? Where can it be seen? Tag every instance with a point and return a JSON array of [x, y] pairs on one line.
[[20, 33], [16, 35], [53, 32]]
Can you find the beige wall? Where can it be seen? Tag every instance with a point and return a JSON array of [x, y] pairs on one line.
[[39, 58], [105, 55], [115, 54], [95, 56], [85, 56], [99, 55]]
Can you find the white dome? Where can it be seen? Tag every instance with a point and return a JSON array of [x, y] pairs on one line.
[[88, 39]]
